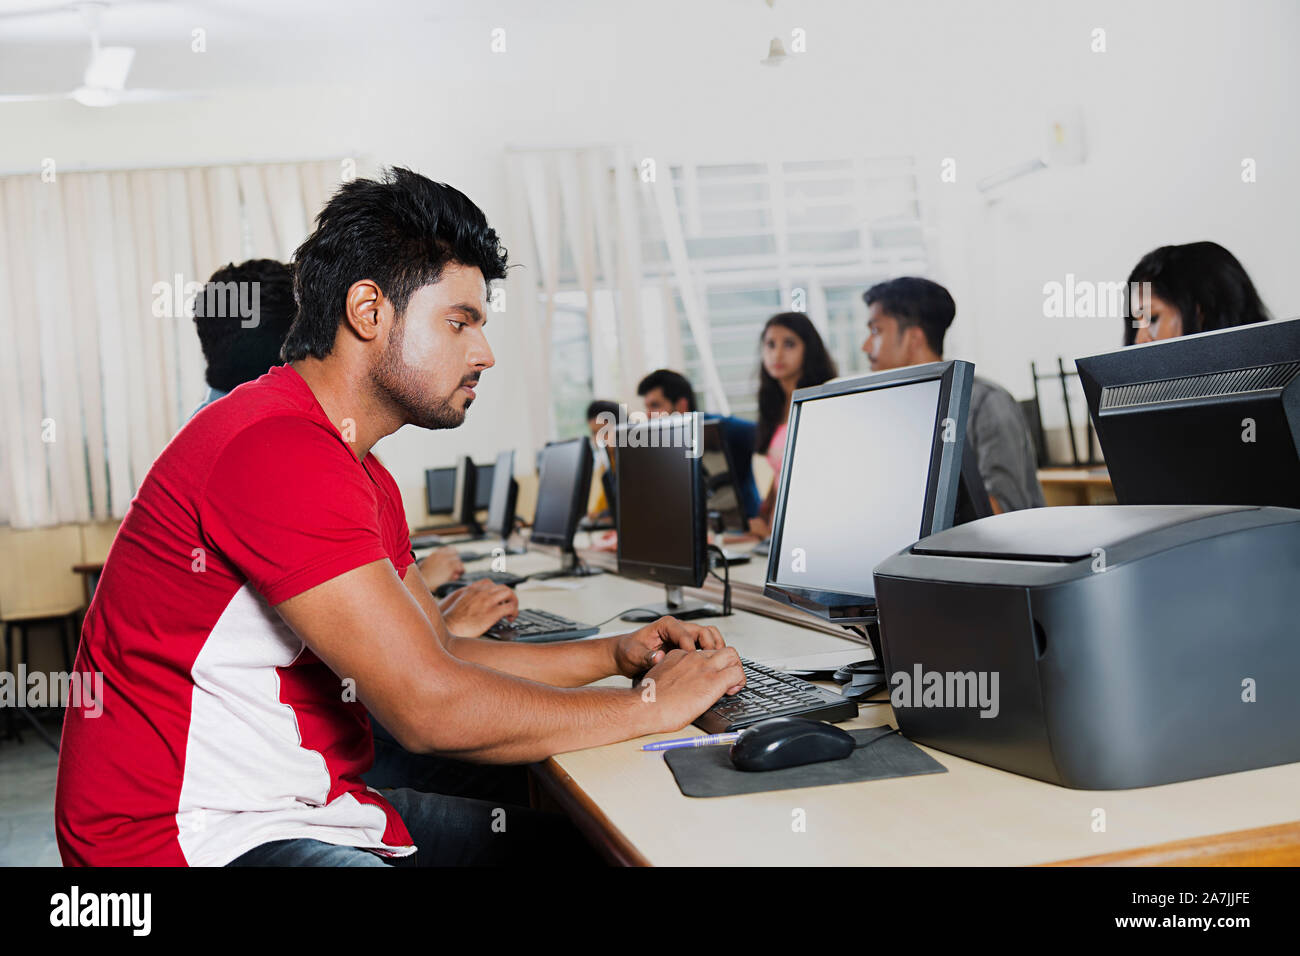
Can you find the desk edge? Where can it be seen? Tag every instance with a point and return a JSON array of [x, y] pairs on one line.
[[587, 816]]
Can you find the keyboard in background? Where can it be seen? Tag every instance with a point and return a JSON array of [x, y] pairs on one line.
[[770, 693], [537, 626], [763, 548], [497, 577]]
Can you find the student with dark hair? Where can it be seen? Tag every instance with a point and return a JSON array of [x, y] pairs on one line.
[[239, 348], [1182, 290], [235, 718], [666, 392], [793, 356], [906, 322]]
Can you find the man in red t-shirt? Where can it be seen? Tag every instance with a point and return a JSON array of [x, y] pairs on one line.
[[260, 598]]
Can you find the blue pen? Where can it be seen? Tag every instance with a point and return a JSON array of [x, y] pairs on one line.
[[706, 741]]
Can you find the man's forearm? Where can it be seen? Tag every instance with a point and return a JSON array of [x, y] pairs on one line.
[[568, 664], [489, 717]]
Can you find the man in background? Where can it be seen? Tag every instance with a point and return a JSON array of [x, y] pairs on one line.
[[906, 322], [239, 349]]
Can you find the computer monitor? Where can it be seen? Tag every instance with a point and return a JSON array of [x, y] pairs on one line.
[[720, 490], [440, 490], [1208, 419], [504, 492], [871, 465], [466, 496], [662, 533], [563, 485], [484, 477]]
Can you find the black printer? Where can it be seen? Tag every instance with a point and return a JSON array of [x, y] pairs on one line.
[[1101, 647]]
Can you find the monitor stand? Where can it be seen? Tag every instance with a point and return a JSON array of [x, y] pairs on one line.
[[571, 566], [861, 679], [674, 606]]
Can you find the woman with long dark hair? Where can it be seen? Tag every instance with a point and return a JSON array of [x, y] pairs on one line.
[[1182, 290], [793, 356]]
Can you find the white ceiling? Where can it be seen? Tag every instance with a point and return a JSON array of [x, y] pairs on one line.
[[44, 45]]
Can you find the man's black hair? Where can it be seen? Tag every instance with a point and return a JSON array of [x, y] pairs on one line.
[[600, 405], [400, 231], [673, 384], [913, 301], [239, 348]]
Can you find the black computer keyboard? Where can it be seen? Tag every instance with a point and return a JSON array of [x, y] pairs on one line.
[[771, 693], [537, 626]]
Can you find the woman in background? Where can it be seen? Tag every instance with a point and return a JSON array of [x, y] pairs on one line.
[[1193, 288], [793, 356]]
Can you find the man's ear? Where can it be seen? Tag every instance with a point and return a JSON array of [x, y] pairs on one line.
[[362, 309], [914, 342], [681, 406]]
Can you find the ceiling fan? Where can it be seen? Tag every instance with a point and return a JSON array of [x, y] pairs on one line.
[[104, 81]]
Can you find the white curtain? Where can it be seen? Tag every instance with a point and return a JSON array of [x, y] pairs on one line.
[[93, 383], [582, 208]]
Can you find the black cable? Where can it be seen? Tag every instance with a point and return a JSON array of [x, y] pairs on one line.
[[726, 582], [878, 736], [626, 610]]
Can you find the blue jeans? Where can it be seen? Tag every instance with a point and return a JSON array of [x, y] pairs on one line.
[[448, 831]]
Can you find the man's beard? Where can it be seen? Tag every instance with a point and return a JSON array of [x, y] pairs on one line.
[[401, 385]]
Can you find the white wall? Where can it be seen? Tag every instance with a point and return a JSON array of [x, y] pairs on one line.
[[1185, 91]]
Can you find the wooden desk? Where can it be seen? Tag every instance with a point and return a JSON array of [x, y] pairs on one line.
[[1076, 486], [89, 578], [627, 802]]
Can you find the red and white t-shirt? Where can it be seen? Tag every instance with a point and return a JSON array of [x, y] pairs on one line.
[[220, 729]]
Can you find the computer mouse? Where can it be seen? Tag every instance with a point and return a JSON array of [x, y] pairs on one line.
[[781, 742]]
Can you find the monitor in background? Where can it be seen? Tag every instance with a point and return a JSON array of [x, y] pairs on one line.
[[873, 463], [504, 493], [1208, 419], [440, 490], [466, 496], [484, 476], [563, 485], [662, 535], [719, 481]]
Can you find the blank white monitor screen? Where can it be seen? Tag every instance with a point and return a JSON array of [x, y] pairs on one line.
[[858, 477]]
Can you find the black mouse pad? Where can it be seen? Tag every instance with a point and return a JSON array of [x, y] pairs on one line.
[[708, 772]]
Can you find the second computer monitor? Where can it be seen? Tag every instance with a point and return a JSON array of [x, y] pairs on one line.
[[504, 491], [562, 489], [466, 495], [662, 535], [661, 511], [871, 465], [484, 483]]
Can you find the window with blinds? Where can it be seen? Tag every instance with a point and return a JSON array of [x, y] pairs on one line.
[[773, 237]]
